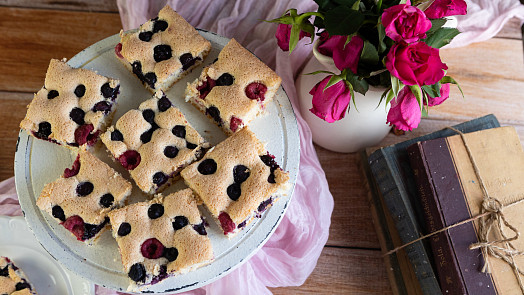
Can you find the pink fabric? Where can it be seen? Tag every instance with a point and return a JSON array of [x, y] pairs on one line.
[[485, 19]]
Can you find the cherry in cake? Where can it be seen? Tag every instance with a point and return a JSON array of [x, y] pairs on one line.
[[234, 89], [13, 280], [82, 197], [154, 142], [237, 181], [73, 107], [163, 50], [162, 237]]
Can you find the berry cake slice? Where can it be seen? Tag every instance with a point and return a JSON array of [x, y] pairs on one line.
[[154, 142], [82, 197], [73, 107], [12, 280], [234, 89], [237, 180], [163, 50], [161, 237]]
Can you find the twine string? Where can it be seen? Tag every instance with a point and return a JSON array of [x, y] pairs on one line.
[[491, 218]]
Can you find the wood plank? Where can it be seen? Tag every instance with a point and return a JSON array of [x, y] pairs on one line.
[[491, 74], [79, 5], [351, 224], [344, 271], [37, 35], [511, 30], [12, 111]]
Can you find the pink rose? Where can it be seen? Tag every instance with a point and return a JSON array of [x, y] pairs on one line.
[[415, 64], [444, 94], [282, 35], [442, 8], [405, 112], [345, 57], [405, 22], [331, 104]]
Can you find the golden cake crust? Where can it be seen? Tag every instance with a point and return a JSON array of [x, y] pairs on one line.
[[242, 148], [56, 111], [14, 276], [104, 180], [194, 249], [231, 100], [179, 35], [153, 159]]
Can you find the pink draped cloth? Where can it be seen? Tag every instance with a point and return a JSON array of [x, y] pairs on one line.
[[291, 253]]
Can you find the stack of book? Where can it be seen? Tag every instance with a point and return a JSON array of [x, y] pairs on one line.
[[427, 183]]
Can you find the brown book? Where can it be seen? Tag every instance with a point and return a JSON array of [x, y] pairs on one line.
[[457, 196], [449, 275]]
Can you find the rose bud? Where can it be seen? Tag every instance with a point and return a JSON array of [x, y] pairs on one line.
[[345, 56], [405, 111], [442, 8], [444, 94], [282, 35], [330, 104]]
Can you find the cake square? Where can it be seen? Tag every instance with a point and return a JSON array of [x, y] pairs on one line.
[[234, 89], [73, 107], [13, 281], [163, 50], [237, 180], [162, 237], [154, 143], [81, 198]]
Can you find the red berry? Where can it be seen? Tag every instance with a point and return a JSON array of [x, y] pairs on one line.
[[74, 169], [129, 159], [235, 123], [82, 134], [152, 248], [256, 91], [227, 224], [75, 224], [118, 49]]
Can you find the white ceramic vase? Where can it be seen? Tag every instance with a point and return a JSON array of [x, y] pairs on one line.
[[358, 129]]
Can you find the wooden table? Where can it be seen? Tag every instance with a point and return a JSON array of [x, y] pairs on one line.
[[491, 74]]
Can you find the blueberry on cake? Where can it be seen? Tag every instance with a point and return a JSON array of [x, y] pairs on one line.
[[162, 237], [237, 180], [12, 280], [81, 198], [163, 50], [154, 143], [73, 107], [234, 89]]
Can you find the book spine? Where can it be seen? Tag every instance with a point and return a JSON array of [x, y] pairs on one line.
[[450, 278], [453, 207], [390, 186]]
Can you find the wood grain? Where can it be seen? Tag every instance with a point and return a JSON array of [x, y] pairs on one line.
[[36, 36], [344, 271], [511, 30], [12, 111], [78, 5]]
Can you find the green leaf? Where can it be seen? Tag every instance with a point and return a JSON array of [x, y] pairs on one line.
[[332, 81], [320, 72], [425, 112], [441, 37], [381, 35], [355, 5], [369, 53], [343, 21], [352, 95], [415, 89], [448, 79], [396, 85], [435, 25], [347, 3], [390, 97], [293, 37], [432, 90], [359, 85]]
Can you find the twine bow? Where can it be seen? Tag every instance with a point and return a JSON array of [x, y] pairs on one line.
[[491, 218]]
